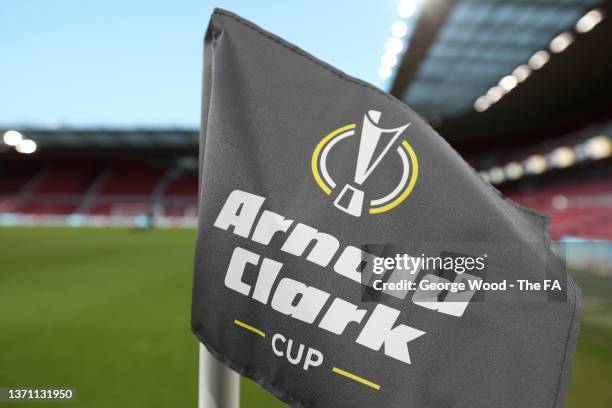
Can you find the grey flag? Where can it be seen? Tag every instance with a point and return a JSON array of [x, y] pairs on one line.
[[322, 202]]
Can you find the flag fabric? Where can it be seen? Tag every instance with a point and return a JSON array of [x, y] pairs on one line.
[[322, 202]]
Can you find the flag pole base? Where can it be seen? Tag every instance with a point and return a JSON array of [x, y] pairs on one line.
[[218, 387]]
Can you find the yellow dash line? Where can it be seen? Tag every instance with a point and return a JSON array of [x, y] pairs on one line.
[[356, 378], [249, 327]]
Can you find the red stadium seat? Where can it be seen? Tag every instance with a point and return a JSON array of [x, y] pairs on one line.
[[586, 211]]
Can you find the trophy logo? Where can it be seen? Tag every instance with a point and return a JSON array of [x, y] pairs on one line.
[[352, 197]]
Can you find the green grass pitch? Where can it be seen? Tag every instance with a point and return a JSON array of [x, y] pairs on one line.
[[106, 311]]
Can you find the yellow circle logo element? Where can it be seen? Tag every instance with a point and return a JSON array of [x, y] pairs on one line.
[[351, 197]]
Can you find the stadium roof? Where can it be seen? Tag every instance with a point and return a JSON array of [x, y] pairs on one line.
[[110, 138], [569, 91], [464, 47]]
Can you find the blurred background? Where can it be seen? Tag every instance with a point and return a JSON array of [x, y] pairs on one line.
[[99, 111]]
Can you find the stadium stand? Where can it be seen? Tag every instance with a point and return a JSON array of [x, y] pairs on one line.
[[121, 191], [125, 189], [580, 210], [179, 197], [108, 190], [533, 118]]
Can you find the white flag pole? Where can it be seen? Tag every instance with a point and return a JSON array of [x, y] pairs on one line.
[[219, 387]]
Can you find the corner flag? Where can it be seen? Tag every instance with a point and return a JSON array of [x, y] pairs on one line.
[[348, 257]]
